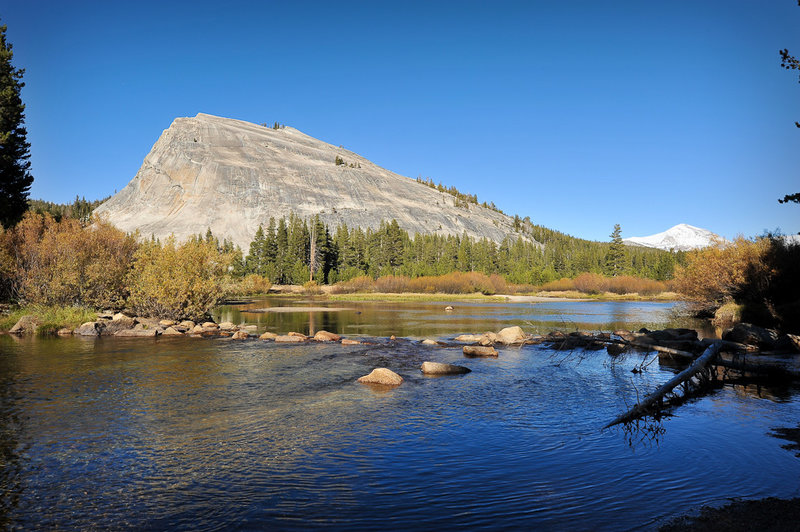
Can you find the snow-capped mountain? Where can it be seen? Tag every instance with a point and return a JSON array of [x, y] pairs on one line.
[[682, 237]]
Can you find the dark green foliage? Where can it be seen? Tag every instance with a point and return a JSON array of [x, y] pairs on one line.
[[616, 259], [15, 178], [80, 209], [338, 161], [282, 253], [460, 199]]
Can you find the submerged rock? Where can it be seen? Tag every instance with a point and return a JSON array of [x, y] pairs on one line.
[[348, 341], [382, 376], [428, 341], [479, 351], [66, 331], [439, 368]]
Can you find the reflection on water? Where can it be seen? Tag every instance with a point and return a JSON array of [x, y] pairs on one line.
[[209, 434], [429, 319]]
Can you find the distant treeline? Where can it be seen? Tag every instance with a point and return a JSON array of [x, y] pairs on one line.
[[286, 252], [80, 209]]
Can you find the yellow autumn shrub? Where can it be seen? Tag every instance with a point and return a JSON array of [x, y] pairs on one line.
[[49, 262], [177, 281], [724, 272]]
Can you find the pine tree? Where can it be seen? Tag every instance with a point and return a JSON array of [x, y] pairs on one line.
[[617, 254], [15, 178]]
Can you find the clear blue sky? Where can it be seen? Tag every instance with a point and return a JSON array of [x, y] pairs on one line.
[[579, 114]]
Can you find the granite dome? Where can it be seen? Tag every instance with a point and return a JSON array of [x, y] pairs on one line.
[[232, 176]]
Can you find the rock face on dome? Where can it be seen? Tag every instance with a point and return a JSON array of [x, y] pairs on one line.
[[232, 176]]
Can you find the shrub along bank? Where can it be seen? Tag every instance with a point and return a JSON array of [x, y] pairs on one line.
[[61, 270]]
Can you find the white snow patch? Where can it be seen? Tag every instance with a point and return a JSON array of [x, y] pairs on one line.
[[682, 237]]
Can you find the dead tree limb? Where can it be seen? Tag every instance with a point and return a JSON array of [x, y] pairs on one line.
[[662, 349], [642, 408]]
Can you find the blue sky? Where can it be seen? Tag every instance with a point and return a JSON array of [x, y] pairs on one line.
[[579, 114]]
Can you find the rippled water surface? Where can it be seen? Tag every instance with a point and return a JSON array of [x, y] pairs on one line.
[[216, 434]]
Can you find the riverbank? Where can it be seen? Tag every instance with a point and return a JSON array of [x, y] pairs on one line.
[[330, 292]]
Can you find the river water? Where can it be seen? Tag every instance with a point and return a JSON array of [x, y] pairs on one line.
[[217, 434]]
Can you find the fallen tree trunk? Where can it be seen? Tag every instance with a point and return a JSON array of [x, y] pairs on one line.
[[662, 349], [768, 369], [642, 408]]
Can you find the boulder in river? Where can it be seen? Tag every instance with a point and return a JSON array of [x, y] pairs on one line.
[[428, 341], [382, 376], [25, 325], [288, 339], [171, 331], [268, 336], [90, 328], [210, 325], [745, 333], [66, 331], [348, 341], [119, 323], [789, 343], [439, 368], [479, 351], [137, 333], [468, 338], [240, 335], [325, 336], [511, 335], [166, 323], [488, 338], [227, 326]]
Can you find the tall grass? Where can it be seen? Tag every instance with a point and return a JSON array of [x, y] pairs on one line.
[[50, 317]]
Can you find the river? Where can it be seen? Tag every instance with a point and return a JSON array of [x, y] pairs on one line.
[[185, 433]]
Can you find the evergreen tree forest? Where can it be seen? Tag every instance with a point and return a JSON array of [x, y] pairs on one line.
[[282, 251]]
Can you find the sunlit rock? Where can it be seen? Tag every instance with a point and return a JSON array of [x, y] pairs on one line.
[[439, 368], [382, 376], [479, 351]]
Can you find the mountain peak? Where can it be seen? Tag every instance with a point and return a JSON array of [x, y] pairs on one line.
[[681, 237]]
